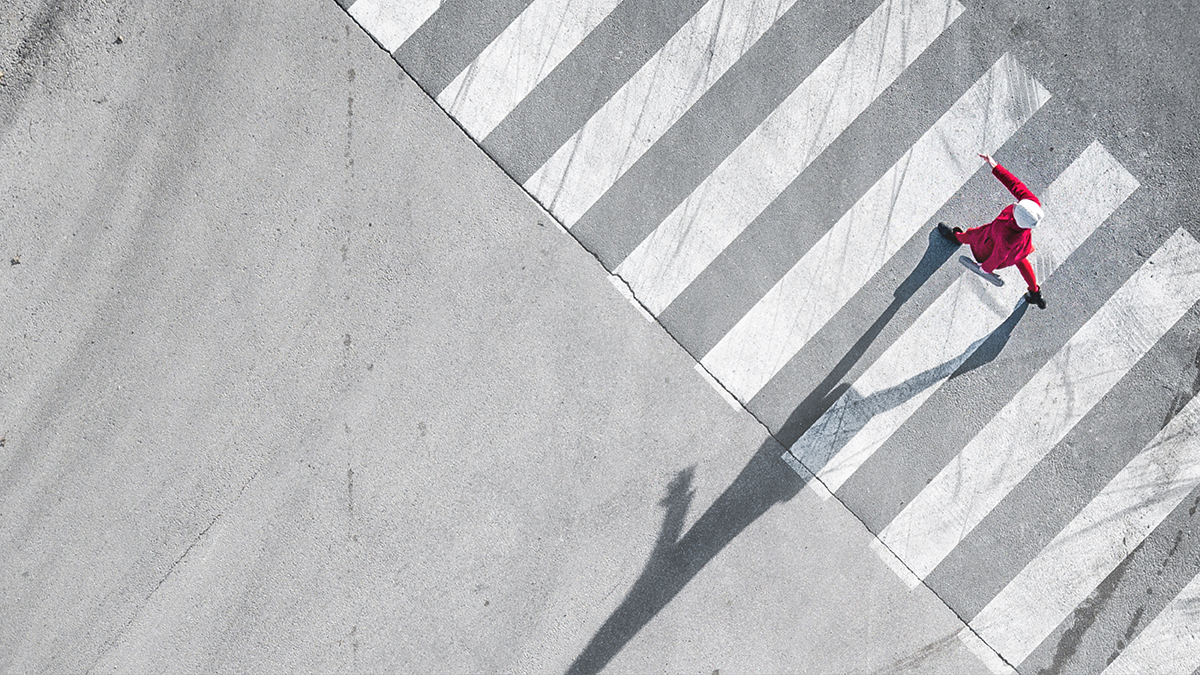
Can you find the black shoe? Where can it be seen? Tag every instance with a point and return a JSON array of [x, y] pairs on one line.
[[1035, 298], [948, 233]]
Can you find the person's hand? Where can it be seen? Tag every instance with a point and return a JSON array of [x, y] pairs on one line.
[[988, 158]]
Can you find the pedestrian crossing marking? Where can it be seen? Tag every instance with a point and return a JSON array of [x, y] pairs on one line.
[[662, 90], [1048, 406], [888, 558], [712, 382], [955, 325], [391, 22], [1170, 644], [628, 126], [1107, 530], [776, 152], [623, 288], [515, 62], [984, 652], [874, 229]]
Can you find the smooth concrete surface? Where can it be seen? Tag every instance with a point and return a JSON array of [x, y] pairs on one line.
[[1121, 84], [295, 379]]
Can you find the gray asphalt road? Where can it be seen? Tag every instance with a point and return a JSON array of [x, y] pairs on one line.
[[730, 179], [296, 379]]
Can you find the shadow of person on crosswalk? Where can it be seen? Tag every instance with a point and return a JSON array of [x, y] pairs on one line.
[[825, 438], [832, 387], [766, 480], [675, 560]]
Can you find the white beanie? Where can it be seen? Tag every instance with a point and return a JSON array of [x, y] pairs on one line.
[[1028, 213]]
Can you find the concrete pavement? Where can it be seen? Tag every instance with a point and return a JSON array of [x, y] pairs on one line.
[[296, 379], [968, 434]]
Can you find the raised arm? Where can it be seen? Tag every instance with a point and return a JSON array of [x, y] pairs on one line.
[[1014, 185], [1010, 181]]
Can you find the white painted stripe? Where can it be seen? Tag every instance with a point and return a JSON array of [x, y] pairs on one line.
[[662, 90], [391, 22], [623, 288], [733, 402], [796, 466], [895, 564], [954, 325], [518, 59], [871, 232], [775, 153], [1104, 533], [985, 653], [1048, 406], [804, 473], [1170, 644]]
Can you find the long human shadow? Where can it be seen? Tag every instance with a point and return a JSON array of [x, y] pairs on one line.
[[764, 482], [832, 387], [675, 560], [854, 411]]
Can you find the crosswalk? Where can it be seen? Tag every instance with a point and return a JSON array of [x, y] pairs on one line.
[[648, 105], [1062, 393], [672, 178], [873, 230], [775, 153], [954, 326], [518, 59], [1112, 524]]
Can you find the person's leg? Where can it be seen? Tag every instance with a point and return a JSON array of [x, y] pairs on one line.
[[981, 249]]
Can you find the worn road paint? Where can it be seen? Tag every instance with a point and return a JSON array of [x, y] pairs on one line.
[[954, 325], [871, 232], [895, 564], [986, 654], [733, 402], [1048, 406], [776, 152], [623, 288], [1169, 643], [518, 59], [690, 63], [1091, 546], [391, 22]]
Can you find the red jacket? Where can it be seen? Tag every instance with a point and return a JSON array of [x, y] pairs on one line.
[[1002, 242]]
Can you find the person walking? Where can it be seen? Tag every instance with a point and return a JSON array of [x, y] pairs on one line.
[[1007, 240]]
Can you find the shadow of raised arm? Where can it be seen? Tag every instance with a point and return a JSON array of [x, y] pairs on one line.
[[764, 482]]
